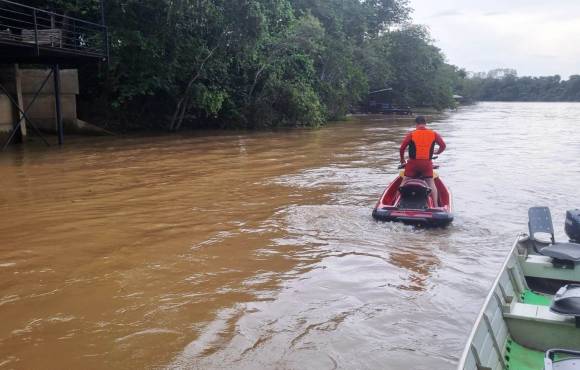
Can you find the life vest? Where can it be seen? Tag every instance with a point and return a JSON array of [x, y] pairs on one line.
[[422, 144]]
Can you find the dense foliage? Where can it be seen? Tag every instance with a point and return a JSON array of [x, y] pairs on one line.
[[512, 88], [257, 63]]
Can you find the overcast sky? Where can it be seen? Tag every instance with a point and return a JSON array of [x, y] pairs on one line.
[[536, 37]]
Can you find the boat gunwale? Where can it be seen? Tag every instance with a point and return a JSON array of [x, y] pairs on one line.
[[485, 304]]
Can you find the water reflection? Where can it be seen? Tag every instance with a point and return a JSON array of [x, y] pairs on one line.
[[419, 265]]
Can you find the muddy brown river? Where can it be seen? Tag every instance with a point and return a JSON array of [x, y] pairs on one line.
[[258, 250]]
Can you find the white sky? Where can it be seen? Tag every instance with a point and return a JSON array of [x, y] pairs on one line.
[[536, 37]]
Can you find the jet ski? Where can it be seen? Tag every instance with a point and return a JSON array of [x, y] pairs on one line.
[[409, 201]]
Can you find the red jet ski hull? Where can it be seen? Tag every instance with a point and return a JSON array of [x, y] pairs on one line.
[[391, 208]]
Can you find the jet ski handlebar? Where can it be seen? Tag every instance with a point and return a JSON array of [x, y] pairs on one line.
[[435, 166]]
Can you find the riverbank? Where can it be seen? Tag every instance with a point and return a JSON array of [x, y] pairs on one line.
[[301, 64], [92, 137]]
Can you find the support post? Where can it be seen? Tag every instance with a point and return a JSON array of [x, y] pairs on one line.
[[105, 30], [58, 105], [102, 12], [11, 88], [20, 100], [16, 129], [37, 46]]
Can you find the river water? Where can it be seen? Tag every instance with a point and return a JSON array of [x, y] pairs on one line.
[[258, 250]]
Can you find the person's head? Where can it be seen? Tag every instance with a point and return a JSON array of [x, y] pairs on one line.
[[420, 120]]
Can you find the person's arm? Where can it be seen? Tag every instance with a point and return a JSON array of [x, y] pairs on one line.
[[404, 146], [441, 143]]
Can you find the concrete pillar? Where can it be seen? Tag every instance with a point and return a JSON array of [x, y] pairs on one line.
[[11, 79], [43, 112]]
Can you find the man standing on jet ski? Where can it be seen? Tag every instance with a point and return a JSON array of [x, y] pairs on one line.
[[421, 143]]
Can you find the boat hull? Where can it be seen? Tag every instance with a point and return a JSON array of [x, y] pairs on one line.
[[413, 217], [516, 325]]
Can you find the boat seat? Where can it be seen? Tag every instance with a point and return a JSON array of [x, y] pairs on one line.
[[525, 321], [562, 251], [567, 301], [570, 363], [540, 222], [415, 187]]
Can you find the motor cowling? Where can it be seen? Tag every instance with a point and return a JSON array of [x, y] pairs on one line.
[[573, 225]]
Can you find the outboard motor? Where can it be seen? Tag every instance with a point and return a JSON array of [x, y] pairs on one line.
[[573, 225], [567, 302]]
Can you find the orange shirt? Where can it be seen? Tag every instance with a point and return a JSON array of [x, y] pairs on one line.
[[409, 140]]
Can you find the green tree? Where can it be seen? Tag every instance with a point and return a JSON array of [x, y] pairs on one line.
[[256, 63]]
